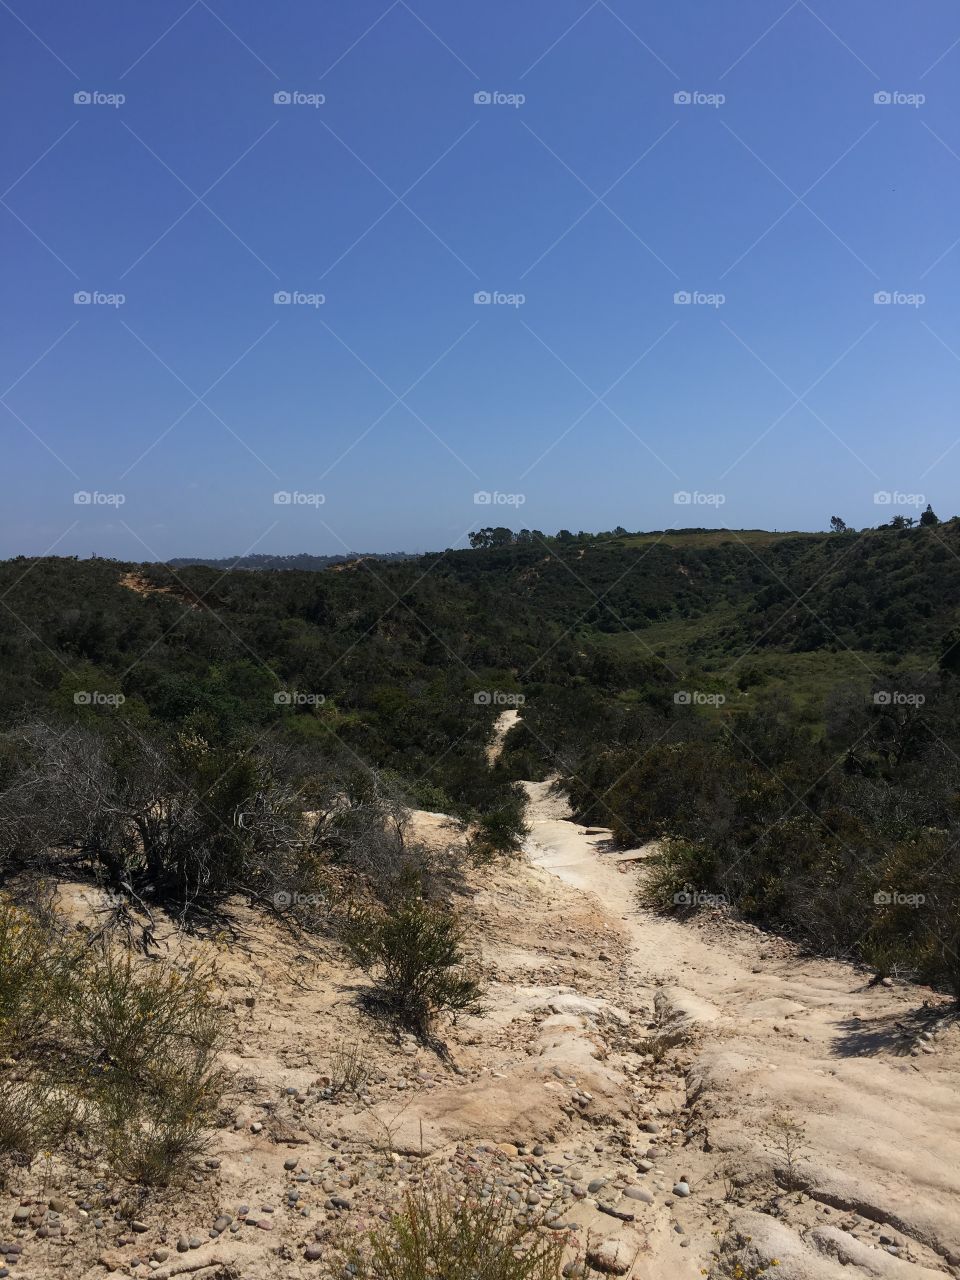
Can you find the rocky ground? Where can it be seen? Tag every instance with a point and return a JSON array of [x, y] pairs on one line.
[[659, 1091]]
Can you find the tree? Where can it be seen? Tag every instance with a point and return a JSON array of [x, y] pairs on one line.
[[838, 525], [928, 517]]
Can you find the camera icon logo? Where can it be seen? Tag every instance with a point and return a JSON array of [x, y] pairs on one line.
[[882, 298], [82, 298], [882, 898], [83, 498], [282, 899], [82, 98], [483, 98], [482, 298], [682, 697], [282, 98], [282, 298], [683, 98], [283, 498], [883, 98], [82, 698], [483, 698], [682, 298], [882, 698]]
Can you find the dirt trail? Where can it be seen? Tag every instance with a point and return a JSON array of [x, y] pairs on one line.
[[780, 1039]]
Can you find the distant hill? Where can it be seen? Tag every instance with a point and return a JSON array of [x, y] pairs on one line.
[[303, 560]]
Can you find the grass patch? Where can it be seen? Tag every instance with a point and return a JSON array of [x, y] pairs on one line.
[[440, 1233]]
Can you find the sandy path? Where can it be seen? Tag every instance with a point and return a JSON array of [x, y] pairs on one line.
[[778, 1034]]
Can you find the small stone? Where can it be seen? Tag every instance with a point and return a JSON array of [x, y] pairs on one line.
[[610, 1257], [681, 1189], [341, 1202], [139, 1227], [638, 1193], [313, 1252], [183, 1244], [291, 1164], [160, 1255], [596, 1185], [650, 1126]]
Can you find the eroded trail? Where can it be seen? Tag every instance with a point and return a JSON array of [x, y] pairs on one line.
[[800, 1074]]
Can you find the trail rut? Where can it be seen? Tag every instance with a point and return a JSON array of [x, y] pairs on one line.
[[802, 1075]]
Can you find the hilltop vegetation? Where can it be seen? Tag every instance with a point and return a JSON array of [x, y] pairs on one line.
[[782, 707]]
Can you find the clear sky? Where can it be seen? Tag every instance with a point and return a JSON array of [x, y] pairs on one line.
[[782, 196]]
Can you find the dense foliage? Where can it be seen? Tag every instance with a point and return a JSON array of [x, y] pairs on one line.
[[174, 724]]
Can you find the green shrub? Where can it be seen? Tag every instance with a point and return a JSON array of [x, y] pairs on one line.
[[121, 1055], [415, 951], [440, 1233]]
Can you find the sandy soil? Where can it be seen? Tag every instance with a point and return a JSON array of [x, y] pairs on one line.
[[635, 1078], [789, 1052]]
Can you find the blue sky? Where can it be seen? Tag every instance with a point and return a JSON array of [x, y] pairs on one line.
[[782, 198]]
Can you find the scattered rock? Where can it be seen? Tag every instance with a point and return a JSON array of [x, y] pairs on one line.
[[610, 1257]]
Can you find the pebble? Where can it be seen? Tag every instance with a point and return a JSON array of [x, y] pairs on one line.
[[596, 1185], [609, 1256], [681, 1189], [313, 1252], [638, 1193]]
